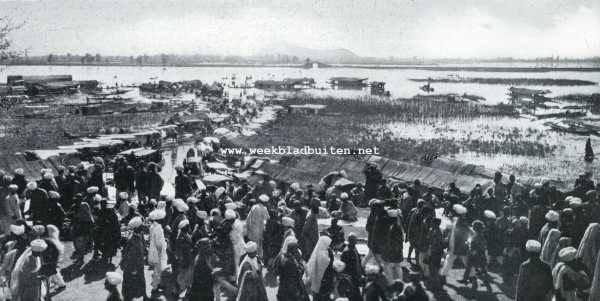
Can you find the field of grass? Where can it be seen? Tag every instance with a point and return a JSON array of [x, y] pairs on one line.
[[18, 134]]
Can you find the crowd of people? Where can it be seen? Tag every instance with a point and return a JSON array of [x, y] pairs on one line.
[[235, 239]]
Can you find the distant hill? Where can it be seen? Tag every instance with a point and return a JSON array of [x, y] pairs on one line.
[[338, 55]]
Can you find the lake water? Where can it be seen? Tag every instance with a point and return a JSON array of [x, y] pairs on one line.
[[563, 164], [397, 80]]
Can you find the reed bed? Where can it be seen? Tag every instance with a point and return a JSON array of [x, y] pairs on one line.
[[17, 134]]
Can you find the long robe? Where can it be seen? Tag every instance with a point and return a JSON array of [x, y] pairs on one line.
[[534, 281], [595, 287], [132, 264], [255, 225], [24, 284], [250, 281], [9, 212], [157, 252], [237, 241], [318, 263], [202, 281], [108, 232], [549, 247], [589, 246], [291, 287], [458, 238], [310, 235]]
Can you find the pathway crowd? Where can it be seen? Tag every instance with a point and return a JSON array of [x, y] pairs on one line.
[[234, 239]]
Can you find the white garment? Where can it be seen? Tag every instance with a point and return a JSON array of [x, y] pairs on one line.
[[157, 252], [237, 240]]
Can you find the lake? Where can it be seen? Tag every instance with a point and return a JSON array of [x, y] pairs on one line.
[[397, 80]]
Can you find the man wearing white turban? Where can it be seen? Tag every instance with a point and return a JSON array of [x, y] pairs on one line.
[[157, 252], [25, 284], [535, 277], [256, 221]]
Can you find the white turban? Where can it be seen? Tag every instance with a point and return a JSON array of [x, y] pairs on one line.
[[92, 189], [53, 195], [32, 185], [183, 223], [17, 230], [533, 246], [230, 214], [567, 254], [231, 205], [552, 216], [287, 221], [343, 196], [459, 209], [114, 278], [157, 214], [135, 222], [295, 186], [392, 213], [201, 214], [250, 247], [13, 187], [575, 202], [219, 191], [123, 195], [97, 198], [48, 176], [38, 245], [19, 171], [180, 205], [489, 214], [192, 200], [263, 198]]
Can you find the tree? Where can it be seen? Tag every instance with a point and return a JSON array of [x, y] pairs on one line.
[[50, 58], [6, 51]]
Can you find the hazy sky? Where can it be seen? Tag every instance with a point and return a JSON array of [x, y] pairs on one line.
[[382, 28]]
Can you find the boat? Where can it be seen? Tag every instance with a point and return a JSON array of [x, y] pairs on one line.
[[572, 127]]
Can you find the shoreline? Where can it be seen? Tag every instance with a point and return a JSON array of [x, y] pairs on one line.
[[342, 66]]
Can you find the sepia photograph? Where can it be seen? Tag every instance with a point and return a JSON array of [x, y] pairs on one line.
[[299, 150]]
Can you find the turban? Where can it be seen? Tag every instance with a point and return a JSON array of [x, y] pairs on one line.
[[459, 209], [123, 195], [114, 278], [13, 187], [192, 200], [32, 185], [219, 191], [38, 245], [19, 171], [567, 254], [250, 247], [17, 230], [295, 186], [287, 221], [157, 214], [97, 198], [343, 196], [92, 189], [575, 202], [231, 206], [53, 195], [39, 230], [489, 214], [552, 216], [183, 223], [263, 198], [201, 214], [230, 214], [533, 246], [135, 222], [392, 213]]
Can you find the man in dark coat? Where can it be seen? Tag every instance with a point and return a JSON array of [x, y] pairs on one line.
[[19, 180], [108, 233], [155, 181], [290, 271], [183, 184], [132, 263], [38, 204], [310, 232], [202, 279], [351, 258], [535, 277]]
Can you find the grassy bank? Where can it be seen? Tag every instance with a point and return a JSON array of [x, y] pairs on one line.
[[18, 134]]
